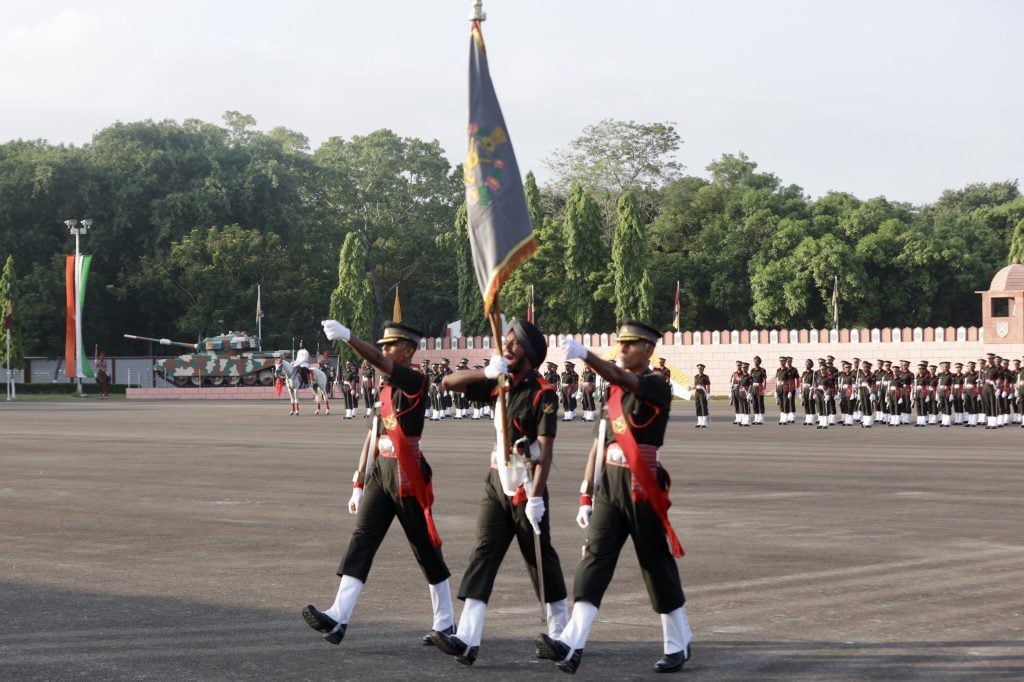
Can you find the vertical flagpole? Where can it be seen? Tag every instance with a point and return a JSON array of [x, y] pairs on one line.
[[259, 317]]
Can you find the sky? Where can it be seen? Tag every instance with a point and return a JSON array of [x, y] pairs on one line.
[[903, 99]]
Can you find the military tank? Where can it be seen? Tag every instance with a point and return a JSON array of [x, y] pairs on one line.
[[230, 359]]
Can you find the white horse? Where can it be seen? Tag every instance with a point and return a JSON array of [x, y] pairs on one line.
[[292, 380]]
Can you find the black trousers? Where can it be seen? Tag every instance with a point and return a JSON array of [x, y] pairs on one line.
[[701, 400], [498, 522], [379, 507], [616, 517]]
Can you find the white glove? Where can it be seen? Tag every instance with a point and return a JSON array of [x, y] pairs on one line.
[[353, 502], [789, 395], [583, 517], [496, 367], [574, 350], [336, 330], [535, 512]]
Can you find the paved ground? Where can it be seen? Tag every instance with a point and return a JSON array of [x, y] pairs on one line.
[[177, 541]]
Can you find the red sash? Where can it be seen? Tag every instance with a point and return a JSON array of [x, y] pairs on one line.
[[421, 490], [642, 473]]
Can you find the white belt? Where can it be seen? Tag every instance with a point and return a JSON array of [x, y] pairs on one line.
[[615, 454]]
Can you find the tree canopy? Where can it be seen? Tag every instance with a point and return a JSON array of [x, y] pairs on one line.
[[191, 217]]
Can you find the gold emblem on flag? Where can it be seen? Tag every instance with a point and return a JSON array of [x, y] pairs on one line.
[[619, 425], [390, 422]]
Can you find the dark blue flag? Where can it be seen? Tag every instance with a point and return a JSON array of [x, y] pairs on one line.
[[500, 232]]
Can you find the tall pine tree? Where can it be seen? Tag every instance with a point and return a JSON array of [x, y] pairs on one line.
[[584, 258], [352, 301], [632, 293]]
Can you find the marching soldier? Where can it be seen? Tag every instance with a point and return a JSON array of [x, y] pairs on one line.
[[883, 376], [515, 503], [1004, 391], [944, 395], [922, 380], [758, 382], [103, 377], [855, 404], [972, 392], [931, 404], [790, 390], [822, 395], [350, 389], [807, 392], [846, 387], [701, 390], [832, 382], [988, 392], [631, 501], [569, 385], [399, 484], [746, 394], [866, 390], [738, 403], [437, 375], [904, 382], [446, 396], [328, 369], [369, 382], [588, 383], [957, 399], [552, 376]]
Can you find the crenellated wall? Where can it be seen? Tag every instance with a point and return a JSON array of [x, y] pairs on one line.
[[719, 350]]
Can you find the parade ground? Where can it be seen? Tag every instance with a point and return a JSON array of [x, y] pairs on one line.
[[151, 540]]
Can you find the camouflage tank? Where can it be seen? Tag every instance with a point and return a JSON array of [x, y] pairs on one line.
[[230, 359]]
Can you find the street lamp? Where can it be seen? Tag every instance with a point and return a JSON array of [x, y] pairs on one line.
[[78, 228]]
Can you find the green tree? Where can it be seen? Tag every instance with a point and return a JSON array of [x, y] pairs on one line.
[[613, 157], [632, 295], [9, 293], [352, 302], [585, 258], [400, 195]]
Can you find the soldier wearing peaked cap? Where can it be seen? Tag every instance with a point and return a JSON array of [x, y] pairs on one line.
[[791, 389], [551, 375], [920, 396], [350, 389], [399, 485], [664, 371], [746, 394], [866, 392], [568, 386], [807, 392], [944, 395], [737, 402], [1017, 384], [459, 401], [631, 501], [588, 384], [758, 383], [701, 391], [515, 503]]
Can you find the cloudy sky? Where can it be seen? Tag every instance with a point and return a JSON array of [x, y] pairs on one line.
[[899, 98]]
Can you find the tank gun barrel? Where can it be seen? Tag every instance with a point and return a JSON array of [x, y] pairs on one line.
[[162, 342]]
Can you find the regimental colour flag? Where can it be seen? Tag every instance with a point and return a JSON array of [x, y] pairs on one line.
[[676, 319], [76, 276], [500, 232], [835, 303]]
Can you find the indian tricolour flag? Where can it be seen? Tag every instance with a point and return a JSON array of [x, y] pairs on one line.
[[76, 275]]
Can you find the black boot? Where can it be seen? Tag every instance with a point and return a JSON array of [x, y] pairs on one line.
[[670, 663]]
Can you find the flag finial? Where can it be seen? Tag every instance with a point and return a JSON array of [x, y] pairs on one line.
[[477, 12]]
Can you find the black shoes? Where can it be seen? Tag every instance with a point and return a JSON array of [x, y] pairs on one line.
[[557, 651], [333, 632], [428, 639], [670, 663], [453, 646]]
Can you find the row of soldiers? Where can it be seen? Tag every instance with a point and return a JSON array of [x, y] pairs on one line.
[[989, 392]]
